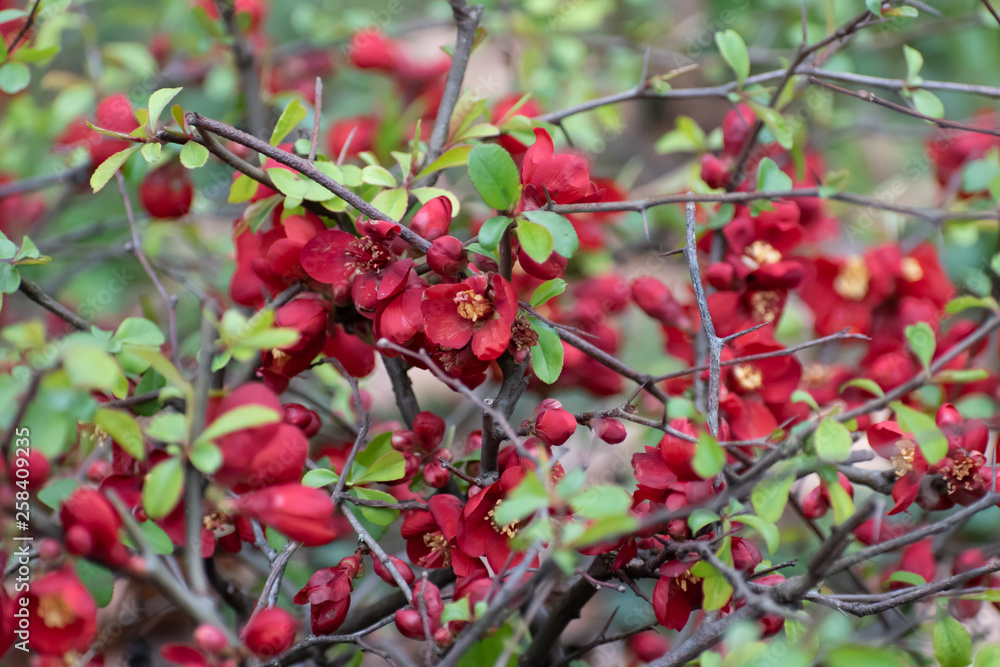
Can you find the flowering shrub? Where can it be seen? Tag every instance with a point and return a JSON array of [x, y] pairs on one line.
[[430, 380]]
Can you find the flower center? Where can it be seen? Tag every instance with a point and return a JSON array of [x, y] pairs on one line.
[[852, 280], [815, 375], [903, 460], [54, 611], [473, 306], [510, 530], [759, 253], [764, 306], [438, 545], [748, 376], [912, 271], [368, 255], [684, 579]]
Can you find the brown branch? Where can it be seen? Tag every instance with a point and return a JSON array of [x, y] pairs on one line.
[[715, 344], [301, 650], [246, 66], [28, 22], [402, 389], [36, 294], [992, 11]]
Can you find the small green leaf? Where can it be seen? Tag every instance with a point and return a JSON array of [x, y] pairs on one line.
[[14, 77], [961, 376], [319, 478], [921, 339], [158, 101], [10, 278], [952, 643], [988, 656], [734, 51], [293, 114], [238, 419], [495, 176], [168, 427], [151, 152], [206, 457], [376, 175], [194, 155], [770, 495], [766, 529], [709, 458], [564, 238], [526, 499], [380, 516], [602, 530], [492, 231], [387, 468], [391, 202], [98, 580], [840, 500], [458, 610], [962, 303], [547, 290], [932, 442], [162, 488], [55, 493], [914, 61], [123, 428], [716, 589], [535, 240], [107, 169], [700, 518], [547, 354], [905, 577], [139, 331], [598, 502], [803, 396], [453, 157], [927, 103], [242, 189], [770, 178], [157, 538], [865, 384], [833, 440]]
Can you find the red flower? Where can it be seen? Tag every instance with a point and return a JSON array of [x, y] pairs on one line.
[[370, 49], [478, 534], [302, 513], [113, 113], [328, 593], [565, 177], [554, 427], [166, 192], [431, 537], [92, 525], [480, 309], [736, 127], [844, 291], [656, 300], [773, 379], [360, 130], [61, 613], [917, 558], [433, 219], [759, 248], [447, 256], [270, 631], [366, 263], [677, 593], [889, 441]]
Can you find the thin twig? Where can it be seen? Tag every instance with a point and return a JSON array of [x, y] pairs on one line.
[[38, 295]]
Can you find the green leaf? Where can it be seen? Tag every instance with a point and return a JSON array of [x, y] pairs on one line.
[[770, 495], [700, 518], [914, 61], [717, 590], [735, 53], [14, 77], [10, 278], [158, 101], [905, 577], [598, 502], [874, 6], [293, 114], [927, 103], [376, 175], [840, 501], [123, 428], [164, 367], [767, 530], [391, 202], [98, 580], [107, 169], [962, 303], [55, 493], [833, 440], [380, 516], [932, 442], [709, 458], [320, 477], [387, 468], [194, 155], [459, 610], [151, 152], [237, 419], [162, 488], [547, 354], [206, 457], [960, 376], [139, 331], [242, 189], [492, 231], [770, 178], [521, 502], [564, 238], [157, 538], [952, 643], [602, 530], [168, 427], [988, 656], [535, 240], [495, 176], [688, 138], [453, 157], [803, 396], [863, 383], [547, 290], [921, 339]]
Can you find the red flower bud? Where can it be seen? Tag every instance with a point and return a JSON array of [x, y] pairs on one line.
[[554, 427], [429, 429], [383, 572], [410, 624], [270, 632], [370, 49], [649, 645], [301, 513], [553, 267], [609, 430], [735, 128], [403, 441], [92, 524], [435, 476], [433, 219], [299, 415], [210, 638], [447, 256], [656, 300], [166, 192], [714, 171], [443, 637]]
